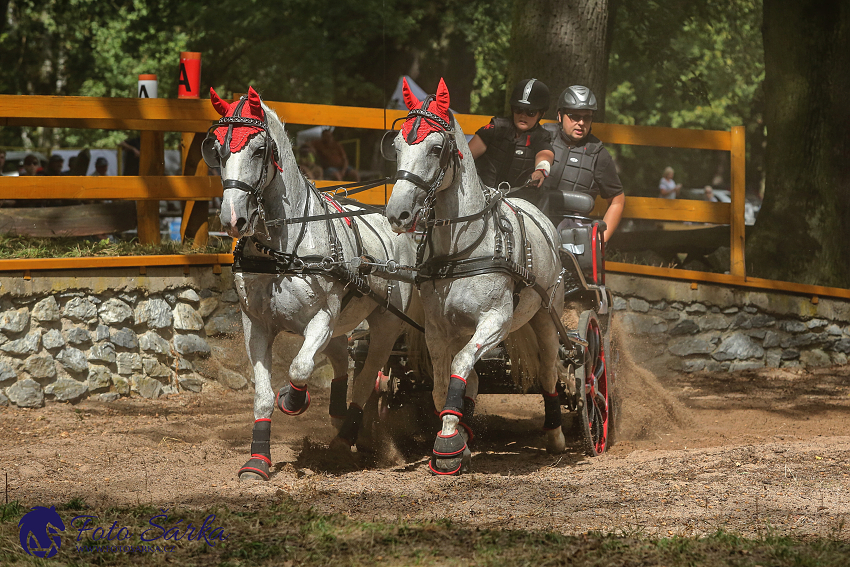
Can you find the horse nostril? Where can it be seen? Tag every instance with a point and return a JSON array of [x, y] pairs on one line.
[[240, 224], [404, 216]]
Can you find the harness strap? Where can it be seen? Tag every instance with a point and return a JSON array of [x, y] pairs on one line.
[[358, 285], [404, 175]]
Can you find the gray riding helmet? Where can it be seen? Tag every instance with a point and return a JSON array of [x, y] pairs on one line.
[[577, 97]]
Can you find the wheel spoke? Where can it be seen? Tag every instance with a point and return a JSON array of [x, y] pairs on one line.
[[600, 402]]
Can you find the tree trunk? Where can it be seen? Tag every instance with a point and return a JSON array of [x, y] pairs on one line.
[[562, 43], [803, 229]]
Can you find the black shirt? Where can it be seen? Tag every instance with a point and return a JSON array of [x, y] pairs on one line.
[[509, 157]]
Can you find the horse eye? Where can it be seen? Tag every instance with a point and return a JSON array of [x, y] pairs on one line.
[[260, 151], [437, 150]]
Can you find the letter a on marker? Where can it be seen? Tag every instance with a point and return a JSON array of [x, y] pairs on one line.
[[184, 78]]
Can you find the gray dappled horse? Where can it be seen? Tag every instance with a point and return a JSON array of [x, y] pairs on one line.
[[488, 267], [295, 274]]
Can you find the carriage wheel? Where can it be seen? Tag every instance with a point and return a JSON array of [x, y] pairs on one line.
[[594, 412]]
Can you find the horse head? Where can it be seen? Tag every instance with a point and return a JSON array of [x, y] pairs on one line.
[[242, 144], [429, 155]]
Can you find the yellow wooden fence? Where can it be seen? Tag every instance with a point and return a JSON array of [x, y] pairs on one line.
[[152, 117]]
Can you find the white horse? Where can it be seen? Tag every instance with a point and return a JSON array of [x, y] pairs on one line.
[[301, 268], [488, 268]]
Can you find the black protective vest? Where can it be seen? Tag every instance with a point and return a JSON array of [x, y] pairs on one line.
[[573, 167], [507, 158]]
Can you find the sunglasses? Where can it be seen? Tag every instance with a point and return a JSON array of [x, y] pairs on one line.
[[575, 117], [526, 112]]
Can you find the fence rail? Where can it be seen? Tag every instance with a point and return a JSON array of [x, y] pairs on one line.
[[153, 117]]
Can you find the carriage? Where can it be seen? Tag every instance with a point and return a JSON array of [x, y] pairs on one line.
[[492, 272]]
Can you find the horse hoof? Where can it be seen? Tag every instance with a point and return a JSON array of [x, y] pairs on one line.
[[451, 467], [286, 393], [555, 442], [254, 469]]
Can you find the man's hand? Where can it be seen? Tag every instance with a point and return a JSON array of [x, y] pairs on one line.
[[537, 178]]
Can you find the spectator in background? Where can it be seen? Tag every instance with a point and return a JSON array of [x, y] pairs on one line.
[[31, 165], [100, 167], [54, 165], [307, 163], [130, 157], [72, 161], [709, 194], [333, 158], [668, 189]]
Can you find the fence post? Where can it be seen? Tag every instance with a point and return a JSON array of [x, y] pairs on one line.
[[738, 194], [151, 162], [195, 221]]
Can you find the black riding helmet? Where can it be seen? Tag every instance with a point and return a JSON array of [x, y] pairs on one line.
[[531, 94], [577, 97]]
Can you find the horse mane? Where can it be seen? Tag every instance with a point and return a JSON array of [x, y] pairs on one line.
[[277, 130], [469, 175]]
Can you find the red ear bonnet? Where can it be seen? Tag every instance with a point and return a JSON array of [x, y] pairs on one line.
[[409, 98], [443, 101], [219, 105], [254, 103], [241, 134], [438, 106]]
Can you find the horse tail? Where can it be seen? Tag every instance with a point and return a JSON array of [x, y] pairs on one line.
[[524, 352]]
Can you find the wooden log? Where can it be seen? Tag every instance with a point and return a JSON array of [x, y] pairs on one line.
[[72, 220]]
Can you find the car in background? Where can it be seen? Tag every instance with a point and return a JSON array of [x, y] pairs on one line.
[[752, 204]]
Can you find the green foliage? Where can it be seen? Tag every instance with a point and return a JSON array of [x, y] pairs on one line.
[[12, 511], [87, 48], [487, 31], [320, 51], [686, 65]]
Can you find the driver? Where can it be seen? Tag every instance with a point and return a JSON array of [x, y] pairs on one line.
[[512, 149], [581, 163]]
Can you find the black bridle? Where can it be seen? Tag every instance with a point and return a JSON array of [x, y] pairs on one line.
[[214, 156], [449, 153]]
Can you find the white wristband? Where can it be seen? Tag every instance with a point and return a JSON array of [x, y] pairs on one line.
[[544, 166]]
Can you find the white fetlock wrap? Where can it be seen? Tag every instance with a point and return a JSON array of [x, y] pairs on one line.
[[545, 167]]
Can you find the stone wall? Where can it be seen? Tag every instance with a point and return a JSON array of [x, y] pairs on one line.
[[718, 328], [85, 333]]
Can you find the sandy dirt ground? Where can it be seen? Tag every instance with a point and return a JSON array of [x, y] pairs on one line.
[[752, 453]]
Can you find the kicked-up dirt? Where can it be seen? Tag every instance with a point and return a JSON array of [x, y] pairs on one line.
[[754, 452]]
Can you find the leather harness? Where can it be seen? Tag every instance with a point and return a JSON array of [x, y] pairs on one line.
[[351, 273], [453, 265]]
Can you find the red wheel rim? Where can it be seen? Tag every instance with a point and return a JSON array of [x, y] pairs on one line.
[[596, 388]]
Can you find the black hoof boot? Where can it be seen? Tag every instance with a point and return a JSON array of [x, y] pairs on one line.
[[451, 456], [257, 467], [292, 400]]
